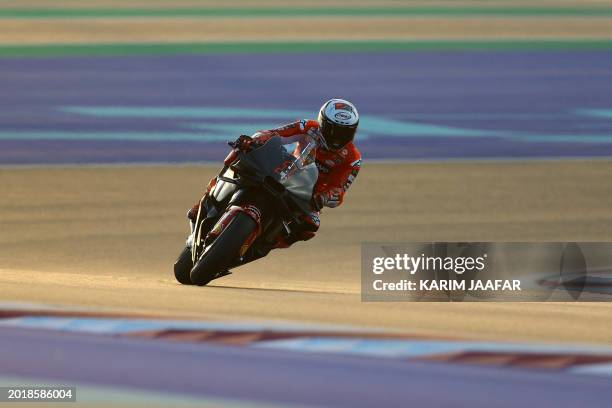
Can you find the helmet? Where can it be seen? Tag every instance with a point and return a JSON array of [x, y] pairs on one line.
[[338, 121]]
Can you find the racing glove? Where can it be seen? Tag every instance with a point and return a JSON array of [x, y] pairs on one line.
[[329, 198], [243, 142]]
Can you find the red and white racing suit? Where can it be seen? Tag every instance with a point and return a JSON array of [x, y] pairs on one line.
[[337, 171]]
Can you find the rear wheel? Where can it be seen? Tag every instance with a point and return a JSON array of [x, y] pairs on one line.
[[182, 267], [224, 250]]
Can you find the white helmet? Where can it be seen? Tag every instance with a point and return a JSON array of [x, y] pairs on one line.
[[338, 121]]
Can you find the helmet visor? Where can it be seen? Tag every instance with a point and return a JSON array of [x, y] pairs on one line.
[[337, 136]]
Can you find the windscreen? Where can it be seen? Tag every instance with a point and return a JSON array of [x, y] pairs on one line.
[[290, 161], [301, 152], [299, 173]]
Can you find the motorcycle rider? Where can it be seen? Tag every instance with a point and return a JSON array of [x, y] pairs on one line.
[[337, 160]]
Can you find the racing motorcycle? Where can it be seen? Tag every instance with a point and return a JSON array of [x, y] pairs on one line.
[[261, 192]]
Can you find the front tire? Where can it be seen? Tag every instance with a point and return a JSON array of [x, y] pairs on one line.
[[182, 267], [224, 250]]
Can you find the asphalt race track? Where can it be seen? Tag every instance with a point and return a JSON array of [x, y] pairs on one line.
[[491, 104], [232, 374], [458, 133]]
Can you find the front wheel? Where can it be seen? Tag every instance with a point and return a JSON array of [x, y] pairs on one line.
[[183, 266], [224, 250]]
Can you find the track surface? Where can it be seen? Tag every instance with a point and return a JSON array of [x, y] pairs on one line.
[[303, 379], [107, 235], [423, 105]]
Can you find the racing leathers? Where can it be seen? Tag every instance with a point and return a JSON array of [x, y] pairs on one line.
[[337, 171]]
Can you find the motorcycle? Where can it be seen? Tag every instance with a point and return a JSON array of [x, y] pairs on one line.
[[261, 192]]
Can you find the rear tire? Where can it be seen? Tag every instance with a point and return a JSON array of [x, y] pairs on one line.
[[224, 250], [182, 267]]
